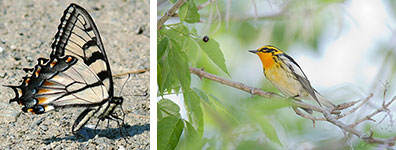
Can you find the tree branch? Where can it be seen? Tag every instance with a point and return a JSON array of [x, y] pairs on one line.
[[169, 13], [325, 112]]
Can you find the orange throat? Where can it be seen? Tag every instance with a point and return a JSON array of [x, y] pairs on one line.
[[267, 60]]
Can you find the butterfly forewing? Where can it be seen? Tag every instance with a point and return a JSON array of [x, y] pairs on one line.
[[78, 36]]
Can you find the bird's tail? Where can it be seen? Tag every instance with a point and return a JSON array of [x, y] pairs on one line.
[[325, 102]]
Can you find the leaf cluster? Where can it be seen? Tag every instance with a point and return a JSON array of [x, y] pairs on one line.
[[178, 48]]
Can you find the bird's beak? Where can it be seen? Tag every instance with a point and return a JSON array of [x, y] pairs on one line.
[[254, 51]]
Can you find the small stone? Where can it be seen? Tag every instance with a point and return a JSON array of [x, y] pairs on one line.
[[140, 30]]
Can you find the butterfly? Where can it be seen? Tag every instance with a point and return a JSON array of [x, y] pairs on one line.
[[77, 73]]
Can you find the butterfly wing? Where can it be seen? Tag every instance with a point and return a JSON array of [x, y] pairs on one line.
[[78, 36], [77, 73]]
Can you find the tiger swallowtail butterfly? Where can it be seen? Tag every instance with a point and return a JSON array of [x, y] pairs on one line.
[[77, 74]]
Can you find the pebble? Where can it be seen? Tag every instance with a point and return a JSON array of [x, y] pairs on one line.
[[140, 29]]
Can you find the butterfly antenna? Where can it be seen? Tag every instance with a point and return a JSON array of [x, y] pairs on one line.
[[123, 85]]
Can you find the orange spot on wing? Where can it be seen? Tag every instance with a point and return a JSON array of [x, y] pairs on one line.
[[37, 72], [41, 91], [41, 100], [53, 63], [27, 81], [30, 110], [48, 83], [20, 92], [69, 59]]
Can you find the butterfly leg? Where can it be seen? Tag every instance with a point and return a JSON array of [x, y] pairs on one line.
[[121, 126]]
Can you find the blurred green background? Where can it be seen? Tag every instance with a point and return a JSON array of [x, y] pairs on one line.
[[346, 48]]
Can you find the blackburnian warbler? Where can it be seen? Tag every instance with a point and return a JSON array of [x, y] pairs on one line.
[[286, 75]]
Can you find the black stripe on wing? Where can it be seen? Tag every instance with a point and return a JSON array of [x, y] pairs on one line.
[[78, 36], [298, 74]]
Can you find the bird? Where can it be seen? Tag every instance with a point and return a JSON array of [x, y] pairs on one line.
[[287, 76]]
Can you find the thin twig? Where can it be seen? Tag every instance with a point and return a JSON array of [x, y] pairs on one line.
[[169, 13], [357, 107], [326, 112], [310, 117], [369, 117], [132, 72]]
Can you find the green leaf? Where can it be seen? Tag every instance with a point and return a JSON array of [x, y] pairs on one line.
[[163, 75], [173, 69], [166, 108], [169, 131], [193, 106], [179, 63], [201, 94], [194, 31], [188, 12], [159, 113], [183, 12], [191, 49], [190, 139], [175, 32], [192, 13], [212, 49], [161, 48]]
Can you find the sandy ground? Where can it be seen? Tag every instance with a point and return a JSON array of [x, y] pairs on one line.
[[27, 29]]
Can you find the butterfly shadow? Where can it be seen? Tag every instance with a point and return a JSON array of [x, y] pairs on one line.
[[86, 134]]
